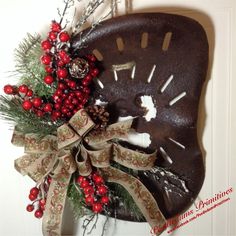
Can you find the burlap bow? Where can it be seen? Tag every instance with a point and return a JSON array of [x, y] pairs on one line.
[[52, 155]]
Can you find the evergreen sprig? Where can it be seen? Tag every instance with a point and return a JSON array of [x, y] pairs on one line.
[[123, 195], [28, 66], [76, 200], [26, 122], [126, 200]]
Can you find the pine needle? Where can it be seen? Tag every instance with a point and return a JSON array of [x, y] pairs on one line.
[[26, 122], [76, 200], [29, 67]]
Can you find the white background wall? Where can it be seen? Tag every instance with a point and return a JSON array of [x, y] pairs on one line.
[[217, 126]]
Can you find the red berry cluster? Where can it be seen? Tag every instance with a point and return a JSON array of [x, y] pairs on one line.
[[72, 91], [29, 102], [22, 90], [96, 193], [38, 201]]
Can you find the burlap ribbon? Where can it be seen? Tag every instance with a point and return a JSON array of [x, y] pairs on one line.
[[52, 155]]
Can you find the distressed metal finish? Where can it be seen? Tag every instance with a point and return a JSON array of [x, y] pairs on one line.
[[186, 59]]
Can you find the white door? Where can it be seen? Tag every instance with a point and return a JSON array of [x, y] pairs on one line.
[[217, 117]]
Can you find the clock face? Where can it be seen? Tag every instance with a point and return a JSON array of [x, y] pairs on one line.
[[153, 68]]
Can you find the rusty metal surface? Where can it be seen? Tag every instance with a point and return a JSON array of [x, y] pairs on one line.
[[186, 59]]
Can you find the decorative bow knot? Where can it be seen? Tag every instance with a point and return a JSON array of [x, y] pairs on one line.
[[52, 155]]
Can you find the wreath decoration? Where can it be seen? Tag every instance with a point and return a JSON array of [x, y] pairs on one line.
[[74, 86]]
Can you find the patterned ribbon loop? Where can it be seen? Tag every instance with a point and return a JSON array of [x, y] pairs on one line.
[[140, 194], [52, 154], [66, 136], [83, 162], [133, 159], [81, 122]]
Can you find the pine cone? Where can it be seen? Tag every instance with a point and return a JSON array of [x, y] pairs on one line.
[[79, 68], [99, 115]]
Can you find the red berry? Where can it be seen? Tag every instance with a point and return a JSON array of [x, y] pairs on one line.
[[37, 102], [75, 110], [32, 197], [48, 79], [66, 59], [56, 114], [94, 175], [71, 107], [64, 96], [79, 94], [8, 89], [56, 27], [102, 190], [92, 58], [29, 93], [64, 110], [42, 202], [75, 101], [105, 200], [57, 106], [72, 84], [98, 179], [84, 184], [80, 106], [97, 207], [38, 213], [48, 69], [34, 191], [48, 107], [27, 105], [23, 88], [72, 95], [49, 179], [88, 190], [67, 102], [46, 59], [58, 92], [89, 200], [60, 63], [46, 45], [39, 113], [95, 72], [52, 36], [88, 77], [86, 90], [61, 85], [30, 208], [64, 36], [62, 73], [62, 54], [42, 208], [85, 82], [80, 179]]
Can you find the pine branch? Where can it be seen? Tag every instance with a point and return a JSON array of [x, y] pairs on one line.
[[29, 67], [26, 122], [123, 196], [125, 200], [26, 53], [76, 199]]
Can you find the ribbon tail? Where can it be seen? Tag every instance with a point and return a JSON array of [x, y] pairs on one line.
[[52, 220], [142, 197], [56, 197]]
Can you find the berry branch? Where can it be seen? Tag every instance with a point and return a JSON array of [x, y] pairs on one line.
[[68, 4], [87, 12], [83, 38]]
